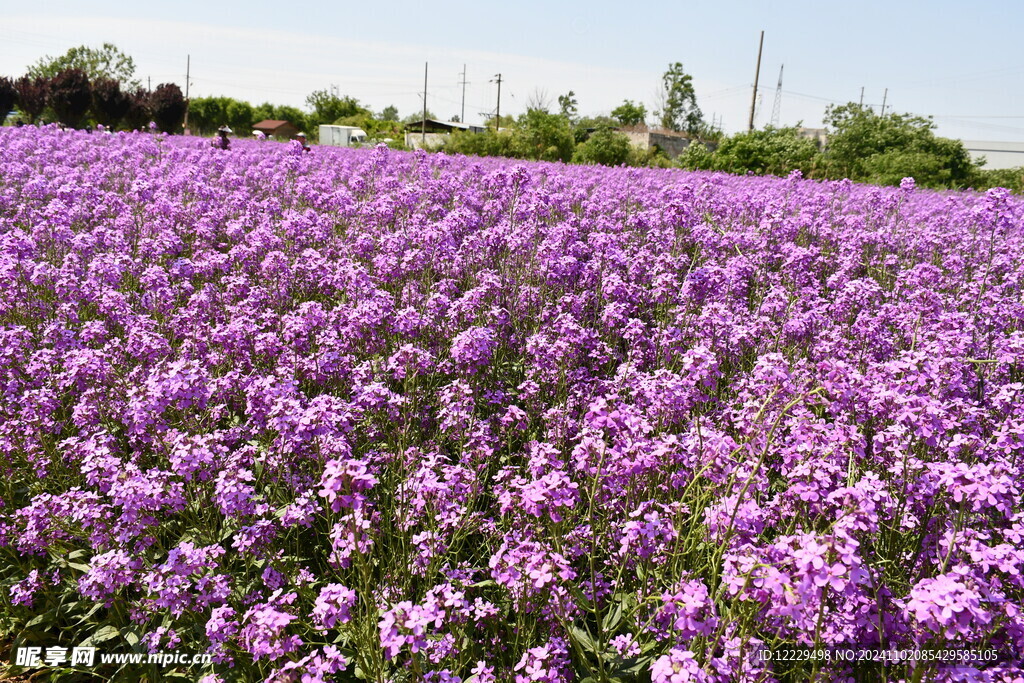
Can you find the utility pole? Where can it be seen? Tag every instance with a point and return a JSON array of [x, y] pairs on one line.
[[777, 106], [423, 125], [188, 71], [149, 84], [497, 118], [884, 98], [757, 76], [462, 116], [862, 96]]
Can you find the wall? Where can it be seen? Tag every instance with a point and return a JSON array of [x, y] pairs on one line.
[[434, 140], [997, 154]]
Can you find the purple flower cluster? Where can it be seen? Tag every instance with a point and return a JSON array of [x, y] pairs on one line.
[[432, 418]]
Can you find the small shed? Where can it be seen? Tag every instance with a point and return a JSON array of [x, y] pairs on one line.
[[279, 130], [435, 126]]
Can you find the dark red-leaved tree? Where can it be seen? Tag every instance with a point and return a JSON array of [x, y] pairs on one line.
[[168, 105], [31, 96], [70, 96], [139, 113], [8, 96], [109, 104]]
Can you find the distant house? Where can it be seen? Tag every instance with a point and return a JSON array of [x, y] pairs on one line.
[[437, 132], [997, 155], [671, 142], [279, 130], [819, 136], [435, 126]]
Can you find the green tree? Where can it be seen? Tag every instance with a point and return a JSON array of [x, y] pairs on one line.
[[418, 116], [485, 144], [866, 146], [389, 113], [506, 122], [679, 109], [1010, 178], [104, 62], [774, 151], [376, 129], [207, 114], [239, 116], [630, 114], [262, 112], [604, 146], [328, 107], [696, 157], [569, 107], [543, 136], [70, 96], [587, 125]]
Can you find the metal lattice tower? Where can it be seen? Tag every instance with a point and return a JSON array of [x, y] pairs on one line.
[[777, 107]]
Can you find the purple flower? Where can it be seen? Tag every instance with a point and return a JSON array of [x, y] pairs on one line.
[[333, 606], [678, 666]]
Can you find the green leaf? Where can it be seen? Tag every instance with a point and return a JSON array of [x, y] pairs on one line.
[[633, 666], [585, 640], [88, 615], [612, 620], [130, 635], [581, 598], [101, 635], [42, 618]]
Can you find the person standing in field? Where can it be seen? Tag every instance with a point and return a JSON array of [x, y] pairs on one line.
[[222, 141]]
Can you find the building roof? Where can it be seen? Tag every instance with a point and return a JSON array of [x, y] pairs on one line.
[[271, 124], [436, 125]]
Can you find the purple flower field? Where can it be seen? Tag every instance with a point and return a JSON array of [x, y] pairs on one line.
[[363, 414]]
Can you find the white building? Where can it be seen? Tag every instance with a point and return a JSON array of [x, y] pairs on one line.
[[997, 154]]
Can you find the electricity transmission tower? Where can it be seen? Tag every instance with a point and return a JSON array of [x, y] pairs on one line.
[[777, 107]]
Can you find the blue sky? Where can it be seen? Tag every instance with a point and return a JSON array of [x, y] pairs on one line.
[[957, 61]]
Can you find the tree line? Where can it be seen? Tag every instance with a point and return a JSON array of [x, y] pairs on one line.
[[88, 86], [859, 144]]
